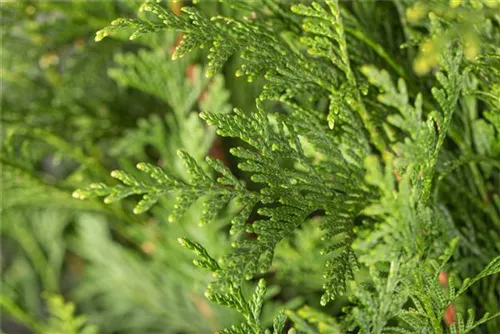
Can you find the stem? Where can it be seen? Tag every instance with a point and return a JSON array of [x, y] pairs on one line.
[[360, 107], [378, 50]]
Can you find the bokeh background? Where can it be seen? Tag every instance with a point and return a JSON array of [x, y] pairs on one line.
[[72, 110]]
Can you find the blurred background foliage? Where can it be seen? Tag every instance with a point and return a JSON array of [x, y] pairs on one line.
[[72, 110]]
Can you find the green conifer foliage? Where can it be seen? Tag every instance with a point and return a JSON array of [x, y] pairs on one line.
[[358, 191]]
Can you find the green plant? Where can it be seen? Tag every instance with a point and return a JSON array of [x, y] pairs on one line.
[[359, 177]]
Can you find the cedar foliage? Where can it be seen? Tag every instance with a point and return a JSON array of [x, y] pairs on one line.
[[353, 188]]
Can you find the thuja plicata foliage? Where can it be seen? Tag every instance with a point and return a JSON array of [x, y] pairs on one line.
[[357, 192]]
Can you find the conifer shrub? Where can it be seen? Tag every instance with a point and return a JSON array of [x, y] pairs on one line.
[[246, 167]]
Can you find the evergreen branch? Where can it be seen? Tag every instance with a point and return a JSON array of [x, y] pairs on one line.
[[339, 56], [232, 296], [162, 183]]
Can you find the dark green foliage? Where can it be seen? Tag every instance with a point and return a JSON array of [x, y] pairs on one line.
[[364, 180]]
